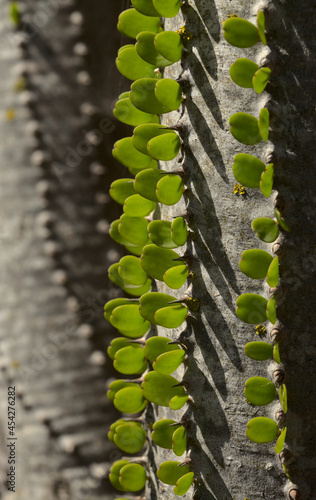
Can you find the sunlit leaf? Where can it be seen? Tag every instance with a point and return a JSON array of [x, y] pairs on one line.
[[260, 351], [112, 304], [127, 318], [184, 484], [271, 310], [244, 127], [261, 26], [167, 8], [280, 442], [255, 263], [251, 308], [129, 438], [115, 473], [281, 220], [137, 291], [276, 353], [145, 183], [170, 472], [263, 124], [15, 14], [116, 386], [176, 276], [159, 388], [134, 229], [240, 32], [248, 169], [129, 400], [179, 231], [129, 156], [162, 433], [262, 430], [117, 344], [145, 7], [259, 391], [179, 441], [283, 397], [114, 426], [124, 95], [242, 72], [171, 316], [122, 189], [168, 92], [260, 79], [168, 362], [267, 229], [266, 181], [169, 44], [164, 147], [160, 233], [143, 97], [156, 261], [169, 189], [131, 22], [136, 170], [149, 303], [178, 401], [273, 273], [144, 133], [138, 206], [132, 66], [130, 360], [132, 477], [155, 346], [146, 49], [126, 112]]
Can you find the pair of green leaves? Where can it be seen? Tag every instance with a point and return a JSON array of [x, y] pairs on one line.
[[134, 205], [265, 430], [128, 286], [261, 351], [125, 153], [159, 50], [124, 315], [131, 22], [126, 112], [127, 435], [176, 474], [167, 234], [157, 308], [160, 8], [242, 33], [247, 74], [157, 141], [267, 229], [167, 434], [132, 66], [127, 397], [132, 248], [249, 130], [162, 264], [253, 308], [158, 185], [253, 173], [259, 264], [156, 96], [127, 476], [164, 390]]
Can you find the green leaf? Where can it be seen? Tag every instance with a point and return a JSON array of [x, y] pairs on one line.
[[244, 127], [159, 388], [124, 95], [240, 33], [176, 276], [169, 189], [242, 72], [131, 22], [116, 386], [138, 206], [271, 310], [115, 235], [129, 400], [263, 124], [130, 360], [170, 472], [283, 397], [261, 26], [135, 170], [15, 14], [248, 169], [280, 442], [177, 402], [276, 353], [259, 391], [267, 229], [145, 183], [179, 441], [129, 156], [273, 273], [133, 290], [167, 8], [132, 66], [126, 112], [184, 484], [159, 232], [129, 438], [143, 97], [155, 346], [146, 49], [281, 220], [266, 181], [260, 351], [134, 229], [112, 304], [255, 263], [127, 318], [116, 424], [179, 231], [144, 133], [169, 44], [251, 308], [115, 473], [171, 316], [145, 7], [116, 345], [149, 303], [162, 433], [132, 477], [262, 430], [122, 189], [168, 362], [260, 79], [168, 92], [156, 261], [164, 147]]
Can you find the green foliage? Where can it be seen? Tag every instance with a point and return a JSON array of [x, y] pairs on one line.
[[242, 72], [267, 229], [260, 79], [240, 32], [260, 351], [179, 231], [168, 362], [132, 66], [273, 273], [281, 440], [129, 400], [159, 232], [162, 433], [157, 261], [138, 206], [244, 127], [145, 7], [184, 483], [130, 360], [122, 189], [146, 49], [131, 22], [248, 169], [281, 220], [266, 181], [129, 437], [283, 397], [255, 263], [127, 318], [261, 26], [171, 471], [126, 112], [179, 441], [259, 391], [169, 189], [150, 97], [167, 8], [125, 152], [132, 477], [271, 310], [155, 346], [251, 308], [263, 124], [134, 229], [160, 389], [262, 430], [15, 13], [169, 44]]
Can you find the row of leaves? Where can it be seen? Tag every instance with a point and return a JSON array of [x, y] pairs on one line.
[[152, 245], [257, 264]]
